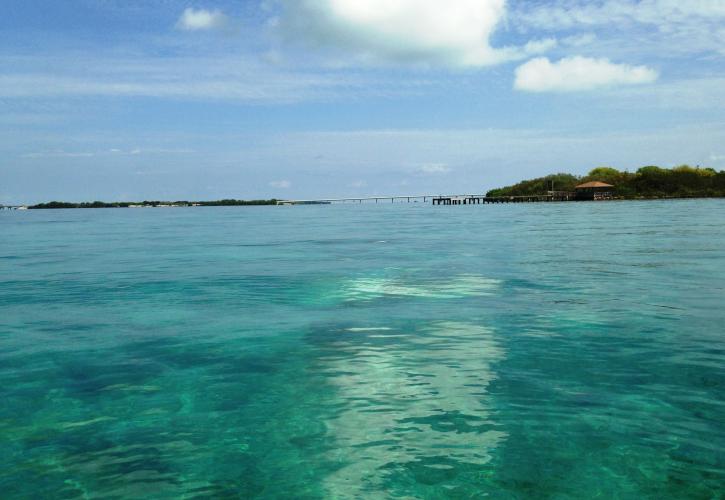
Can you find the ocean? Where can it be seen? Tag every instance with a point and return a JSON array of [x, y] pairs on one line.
[[544, 350]]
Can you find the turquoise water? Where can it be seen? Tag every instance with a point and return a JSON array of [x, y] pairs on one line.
[[392, 351]]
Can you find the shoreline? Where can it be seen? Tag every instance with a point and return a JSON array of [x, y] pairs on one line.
[[275, 202]]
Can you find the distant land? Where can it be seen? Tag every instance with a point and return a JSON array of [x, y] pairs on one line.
[[145, 204], [647, 182]]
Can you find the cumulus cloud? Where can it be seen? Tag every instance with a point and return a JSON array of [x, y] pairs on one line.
[[452, 32], [578, 73], [201, 19]]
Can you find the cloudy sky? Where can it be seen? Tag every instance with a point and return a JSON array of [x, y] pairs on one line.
[[170, 99]]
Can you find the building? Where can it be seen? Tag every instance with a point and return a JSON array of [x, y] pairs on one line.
[[594, 190]]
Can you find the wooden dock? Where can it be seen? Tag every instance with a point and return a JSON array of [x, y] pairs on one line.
[[481, 199]]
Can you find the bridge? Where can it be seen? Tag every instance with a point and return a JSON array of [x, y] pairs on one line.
[[454, 199], [365, 199]]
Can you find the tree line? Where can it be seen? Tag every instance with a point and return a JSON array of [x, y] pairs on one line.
[[647, 182], [126, 204]]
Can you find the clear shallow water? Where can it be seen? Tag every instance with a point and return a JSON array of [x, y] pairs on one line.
[[407, 351]]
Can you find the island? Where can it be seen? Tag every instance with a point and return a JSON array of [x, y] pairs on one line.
[[152, 204], [649, 182]]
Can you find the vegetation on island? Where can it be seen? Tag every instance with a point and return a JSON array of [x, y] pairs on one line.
[[234, 203], [647, 182], [127, 204]]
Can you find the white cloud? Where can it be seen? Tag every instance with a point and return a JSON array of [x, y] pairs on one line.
[[654, 26], [434, 168], [701, 94], [452, 32], [58, 154], [540, 46], [201, 19], [283, 184], [563, 14], [232, 78], [580, 40], [578, 73]]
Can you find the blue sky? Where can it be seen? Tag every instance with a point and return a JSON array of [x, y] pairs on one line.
[[167, 99]]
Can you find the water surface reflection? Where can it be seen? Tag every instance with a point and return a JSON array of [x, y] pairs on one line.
[[410, 402]]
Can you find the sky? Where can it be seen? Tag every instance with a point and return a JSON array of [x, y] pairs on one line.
[[122, 100]]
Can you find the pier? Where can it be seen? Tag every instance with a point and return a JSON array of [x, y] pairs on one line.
[[482, 199], [455, 199], [366, 199]]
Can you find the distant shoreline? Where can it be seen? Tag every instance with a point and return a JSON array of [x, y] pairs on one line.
[[258, 203], [150, 204]]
